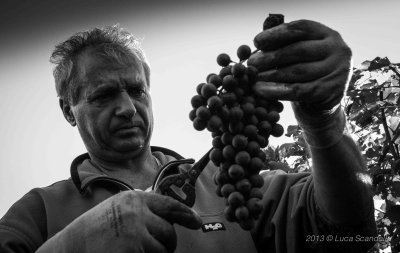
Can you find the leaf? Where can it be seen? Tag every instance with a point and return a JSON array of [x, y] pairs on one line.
[[365, 65], [292, 130], [273, 165], [270, 152], [378, 63], [395, 189], [393, 213]]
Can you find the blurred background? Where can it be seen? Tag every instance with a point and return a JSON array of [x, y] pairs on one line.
[[181, 40]]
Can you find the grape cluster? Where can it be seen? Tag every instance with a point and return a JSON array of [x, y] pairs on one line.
[[241, 124]]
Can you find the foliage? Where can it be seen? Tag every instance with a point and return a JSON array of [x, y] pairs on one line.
[[372, 105]]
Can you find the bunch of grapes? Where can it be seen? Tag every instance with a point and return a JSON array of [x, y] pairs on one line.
[[241, 124]]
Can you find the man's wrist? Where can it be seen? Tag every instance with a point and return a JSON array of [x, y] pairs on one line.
[[322, 128]]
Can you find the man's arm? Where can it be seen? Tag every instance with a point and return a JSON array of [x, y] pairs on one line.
[[309, 64], [342, 188]]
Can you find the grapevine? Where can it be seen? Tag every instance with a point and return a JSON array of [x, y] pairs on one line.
[[241, 124]]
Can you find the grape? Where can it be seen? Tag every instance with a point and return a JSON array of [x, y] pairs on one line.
[[224, 113], [242, 158], [256, 193], [222, 177], [218, 191], [242, 213], [262, 141], [226, 138], [228, 152], [203, 113], [236, 199], [256, 164], [239, 92], [214, 103], [239, 142], [277, 130], [235, 127], [243, 52], [252, 148], [273, 117], [243, 185], [225, 71], [192, 114], [229, 83], [229, 98], [262, 103], [240, 123], [216, 156], [216, 133], [238, 70], [254, 206], [250, 131], [214, 123], [227, 189], [277, 106], [249, 99], [252, 74], [248, 108], [208, 90], [197, 101], [244, 82], [229, 212], [236, 113], [199, 124], [236, 172], [265, 127], [261, 113], [215, 79], [246, 224], [198, 88], [223, 60], [256, 180], [217, 142]]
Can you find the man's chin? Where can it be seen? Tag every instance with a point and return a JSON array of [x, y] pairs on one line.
[[130, 147]]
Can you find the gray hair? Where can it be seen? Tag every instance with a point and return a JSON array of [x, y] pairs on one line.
[[112, 42]]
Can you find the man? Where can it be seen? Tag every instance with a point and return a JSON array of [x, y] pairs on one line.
[[103, 81]]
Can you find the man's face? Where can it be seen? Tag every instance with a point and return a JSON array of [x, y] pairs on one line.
[[114, 114]]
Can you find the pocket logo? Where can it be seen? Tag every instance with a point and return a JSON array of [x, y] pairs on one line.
[[212, 226]]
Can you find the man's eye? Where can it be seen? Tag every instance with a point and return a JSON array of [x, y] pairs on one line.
[[137, 92], [102, 96]]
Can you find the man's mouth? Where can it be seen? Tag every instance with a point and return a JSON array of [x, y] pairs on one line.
[[128, 128]]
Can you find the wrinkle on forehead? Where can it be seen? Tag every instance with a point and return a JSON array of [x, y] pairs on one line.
[[98, 69]]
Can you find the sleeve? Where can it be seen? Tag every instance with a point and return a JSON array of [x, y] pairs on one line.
[[292, 222], [23, 228]]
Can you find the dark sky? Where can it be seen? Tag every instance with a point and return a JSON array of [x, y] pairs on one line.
[[22, 20]]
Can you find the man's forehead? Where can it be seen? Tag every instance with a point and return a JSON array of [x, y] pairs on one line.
[[96, 69]]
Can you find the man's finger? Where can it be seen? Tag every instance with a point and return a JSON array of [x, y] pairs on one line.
[[151, 244], [303, 51], [298, 73], [173, 211], [162, 231], [274, 91], [288, 33]]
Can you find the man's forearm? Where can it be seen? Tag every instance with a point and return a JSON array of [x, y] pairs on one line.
[[342, 189]]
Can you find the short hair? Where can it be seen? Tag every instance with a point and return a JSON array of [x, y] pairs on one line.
[[111, 42]]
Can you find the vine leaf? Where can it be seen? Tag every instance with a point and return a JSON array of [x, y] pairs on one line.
[[378, 63]]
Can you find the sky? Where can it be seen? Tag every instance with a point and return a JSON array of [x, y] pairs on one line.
[[181, 40]]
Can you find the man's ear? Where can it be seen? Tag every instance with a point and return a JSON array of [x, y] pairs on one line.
[[66, 109]]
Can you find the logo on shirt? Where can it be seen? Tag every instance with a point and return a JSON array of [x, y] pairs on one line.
[[212, 226]]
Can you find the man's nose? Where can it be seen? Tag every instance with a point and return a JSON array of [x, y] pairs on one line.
[[126, 106]]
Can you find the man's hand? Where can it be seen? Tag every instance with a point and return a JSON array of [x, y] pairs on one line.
[[302, 61], [130, 221]]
